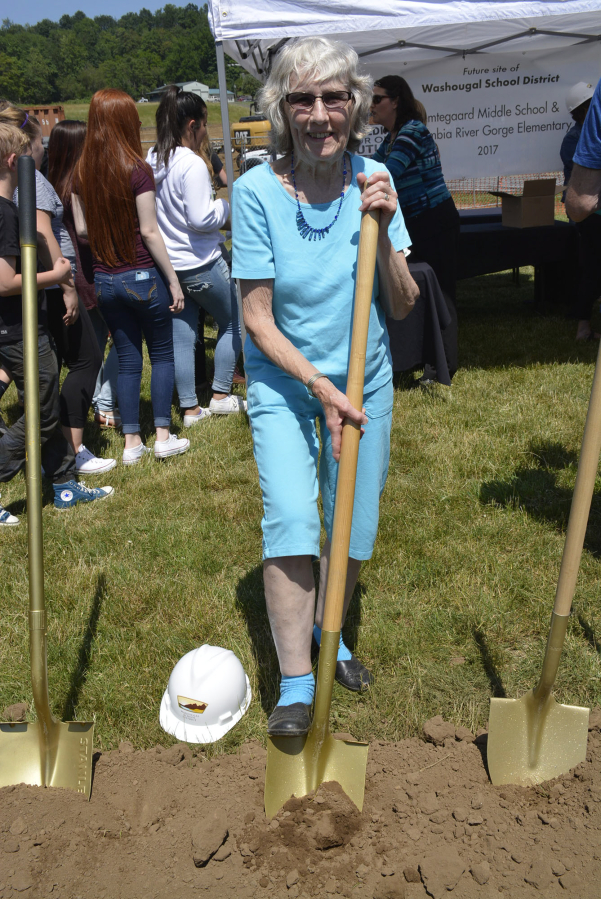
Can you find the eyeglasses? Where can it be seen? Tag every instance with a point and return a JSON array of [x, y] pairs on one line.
[[377, 98], [331, 100]]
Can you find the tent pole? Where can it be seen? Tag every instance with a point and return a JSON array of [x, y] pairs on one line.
[[227, 152], [225, 117]]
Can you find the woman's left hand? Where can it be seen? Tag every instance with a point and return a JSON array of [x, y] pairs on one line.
[[378, 193], [71, 305], [178, 297]]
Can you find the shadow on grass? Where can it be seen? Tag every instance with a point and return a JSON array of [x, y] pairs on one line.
[[147, 428], [80, 672], [491, 308], [488, 663], [534, 488], [250, 599], [589, 634], [353, 616]]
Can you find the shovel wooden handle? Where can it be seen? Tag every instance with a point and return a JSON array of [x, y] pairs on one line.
[[351, 432], [581, 501]]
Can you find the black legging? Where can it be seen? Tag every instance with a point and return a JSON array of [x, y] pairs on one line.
[[589, 269], [434, 239], [77, 348]]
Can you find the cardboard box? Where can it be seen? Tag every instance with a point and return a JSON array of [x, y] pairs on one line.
[[534, 207]]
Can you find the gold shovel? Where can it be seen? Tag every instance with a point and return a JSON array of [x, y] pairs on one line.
[[534, 738], [298, 765], [47, 753]]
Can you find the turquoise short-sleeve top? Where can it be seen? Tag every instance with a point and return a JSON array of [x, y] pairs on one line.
[[313, 280]]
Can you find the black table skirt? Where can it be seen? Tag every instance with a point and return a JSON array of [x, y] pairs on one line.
[[417, 340], [486, 247]]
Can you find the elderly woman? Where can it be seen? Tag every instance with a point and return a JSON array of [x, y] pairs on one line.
[[296, 227], [411, 156]]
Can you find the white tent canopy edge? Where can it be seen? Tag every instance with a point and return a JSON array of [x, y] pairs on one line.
[[449, 25], [402, 31]]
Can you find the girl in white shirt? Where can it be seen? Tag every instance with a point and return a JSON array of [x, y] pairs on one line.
[[189, 220]]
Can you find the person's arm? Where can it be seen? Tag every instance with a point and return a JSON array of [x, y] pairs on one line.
[[583, 196], [257, 298], [149, 229], [202, 212], [11, 284], [218, 169], [398, 290], [406, 149], [49, 251], [79, 216]]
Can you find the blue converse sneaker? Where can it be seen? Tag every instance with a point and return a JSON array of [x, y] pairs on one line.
[[71, 493], [6, 518]]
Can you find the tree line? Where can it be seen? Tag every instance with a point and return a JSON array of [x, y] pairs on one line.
[[71, 59]]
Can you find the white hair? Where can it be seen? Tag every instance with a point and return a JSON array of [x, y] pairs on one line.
[[319, 59]]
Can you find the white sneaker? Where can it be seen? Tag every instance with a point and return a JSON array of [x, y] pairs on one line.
[[173, 446], [87, 463], [227, 406], [6, 518], [133, 456], [190, 420]]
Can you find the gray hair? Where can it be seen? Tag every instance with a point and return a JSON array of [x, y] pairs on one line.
[[322, 60]]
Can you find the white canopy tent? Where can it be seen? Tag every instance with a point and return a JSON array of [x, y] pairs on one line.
[[401, 35]]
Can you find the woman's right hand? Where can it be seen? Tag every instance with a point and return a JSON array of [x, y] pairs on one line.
[[336, 407], [62, 270], [177, 295]]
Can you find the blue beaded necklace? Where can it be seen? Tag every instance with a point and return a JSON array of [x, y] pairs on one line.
[[305, 229]]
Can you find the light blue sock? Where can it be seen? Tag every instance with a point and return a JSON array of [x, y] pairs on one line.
[[344, 653], [297, 689]]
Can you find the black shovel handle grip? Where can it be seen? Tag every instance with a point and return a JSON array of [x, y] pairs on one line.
[[27, 211]]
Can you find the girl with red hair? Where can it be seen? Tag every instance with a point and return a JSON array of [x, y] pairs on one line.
[[136, 287]]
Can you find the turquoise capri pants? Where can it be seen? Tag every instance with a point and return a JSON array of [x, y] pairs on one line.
[[286, 447]]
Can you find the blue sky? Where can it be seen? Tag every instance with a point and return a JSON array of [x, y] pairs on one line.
[[32, 11]]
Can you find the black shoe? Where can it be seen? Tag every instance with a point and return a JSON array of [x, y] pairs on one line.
[[289, 720], [353, 675]]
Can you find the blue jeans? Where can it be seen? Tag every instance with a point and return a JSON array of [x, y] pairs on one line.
[[132, 308], [211, 287], [105, 392]]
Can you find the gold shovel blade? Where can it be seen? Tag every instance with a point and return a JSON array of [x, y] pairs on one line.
[[298, 765], [528, 744], [67, 763]]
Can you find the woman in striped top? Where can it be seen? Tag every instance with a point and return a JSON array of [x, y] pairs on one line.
[[411, 156]]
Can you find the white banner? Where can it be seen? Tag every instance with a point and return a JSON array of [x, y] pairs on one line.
[[499, 114]]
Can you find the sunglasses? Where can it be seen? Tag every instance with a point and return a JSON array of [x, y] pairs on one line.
[[331, 100], [377, 98]]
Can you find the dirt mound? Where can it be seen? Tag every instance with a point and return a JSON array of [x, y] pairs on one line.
[[167, 822]]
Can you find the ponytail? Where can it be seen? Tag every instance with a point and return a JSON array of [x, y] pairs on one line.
[[175, 109]]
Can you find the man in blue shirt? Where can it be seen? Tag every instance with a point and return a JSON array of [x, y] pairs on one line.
[[583, 197], [578, 102]]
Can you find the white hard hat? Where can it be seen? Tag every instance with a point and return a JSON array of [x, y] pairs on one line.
[[208, 692], [578, 94]]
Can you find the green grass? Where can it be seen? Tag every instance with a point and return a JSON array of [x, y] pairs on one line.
[[453, 607]]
